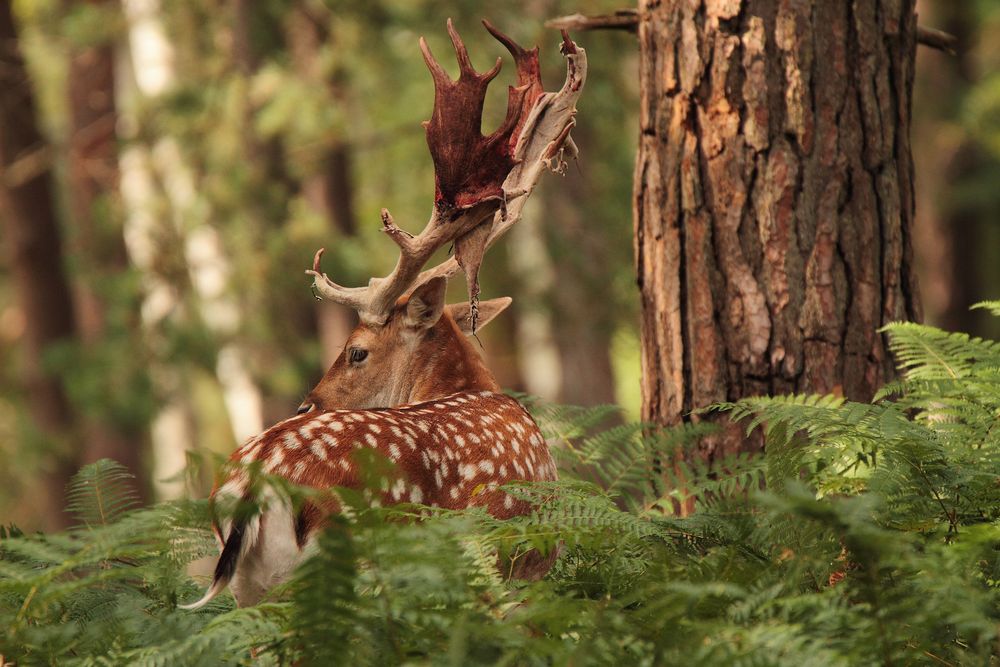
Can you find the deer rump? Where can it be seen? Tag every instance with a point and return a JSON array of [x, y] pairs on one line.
[[454, 452]]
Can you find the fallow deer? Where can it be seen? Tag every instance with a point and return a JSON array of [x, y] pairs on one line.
[[454, 437]]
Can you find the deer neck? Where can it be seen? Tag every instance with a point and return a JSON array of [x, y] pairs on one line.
[[453, 365]]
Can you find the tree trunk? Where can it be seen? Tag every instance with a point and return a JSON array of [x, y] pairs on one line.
[[582, 321], [34, 250], [329, 189], [97, 240], [773, 199], [952, 229]]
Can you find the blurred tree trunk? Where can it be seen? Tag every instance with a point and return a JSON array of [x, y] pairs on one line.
[[582, 320], [773, 200], [330, 193], [34, 249], [329, 189], [539, 365], [950, 242], [98, 240]]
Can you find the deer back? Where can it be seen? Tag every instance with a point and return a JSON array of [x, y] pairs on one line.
[[452, 453]]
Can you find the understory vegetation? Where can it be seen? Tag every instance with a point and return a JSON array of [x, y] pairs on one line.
[[876, 541]]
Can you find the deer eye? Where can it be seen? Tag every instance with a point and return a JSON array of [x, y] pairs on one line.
[[357, 354]]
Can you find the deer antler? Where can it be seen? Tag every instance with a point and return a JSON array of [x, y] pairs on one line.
[[481, 183]]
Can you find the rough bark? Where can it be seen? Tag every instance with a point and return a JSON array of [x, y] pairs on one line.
[[97, 240], [773, 199], [32, 241]]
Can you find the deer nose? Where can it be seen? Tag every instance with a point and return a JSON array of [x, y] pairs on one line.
[[305, 407]]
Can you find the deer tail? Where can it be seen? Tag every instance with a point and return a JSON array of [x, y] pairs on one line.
[[225, 568]]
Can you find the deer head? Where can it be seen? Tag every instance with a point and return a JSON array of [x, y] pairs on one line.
[[420, 353], [409, 346]]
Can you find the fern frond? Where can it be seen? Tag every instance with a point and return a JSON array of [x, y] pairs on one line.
[[992, 307], [324, 598], [101, 492], [927, 353]]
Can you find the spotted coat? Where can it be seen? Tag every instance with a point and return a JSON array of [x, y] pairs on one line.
[[452, 453]]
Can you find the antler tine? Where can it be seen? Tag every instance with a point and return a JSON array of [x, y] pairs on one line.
[[525, 59], [437, 72], [464, 63], [354, 297]]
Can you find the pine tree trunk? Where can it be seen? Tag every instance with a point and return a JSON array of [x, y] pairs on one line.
[[773, 199], [33, 245]]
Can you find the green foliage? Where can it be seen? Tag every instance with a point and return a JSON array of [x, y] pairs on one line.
[[101, 493], [877, 542]]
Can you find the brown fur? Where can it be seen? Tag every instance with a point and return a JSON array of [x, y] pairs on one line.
[[408, 362], [451, 453]]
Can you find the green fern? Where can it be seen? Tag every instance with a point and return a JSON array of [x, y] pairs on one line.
[[865, 534], [100, 493]]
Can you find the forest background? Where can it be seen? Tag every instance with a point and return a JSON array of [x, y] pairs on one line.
[[232, 139]]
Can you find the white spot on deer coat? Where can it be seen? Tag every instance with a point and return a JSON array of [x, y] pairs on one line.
[[486, 467], [250, 452], [460, 441], [374, 428], [276, 459], [370, 439], [318, 450], [416, 495], [468, 470], [394, 453], [291, 440]]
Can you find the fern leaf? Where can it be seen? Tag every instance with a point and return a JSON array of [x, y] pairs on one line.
[[101, 493]]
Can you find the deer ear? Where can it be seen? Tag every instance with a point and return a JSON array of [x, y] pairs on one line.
[[426, 304], [461, 313]]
